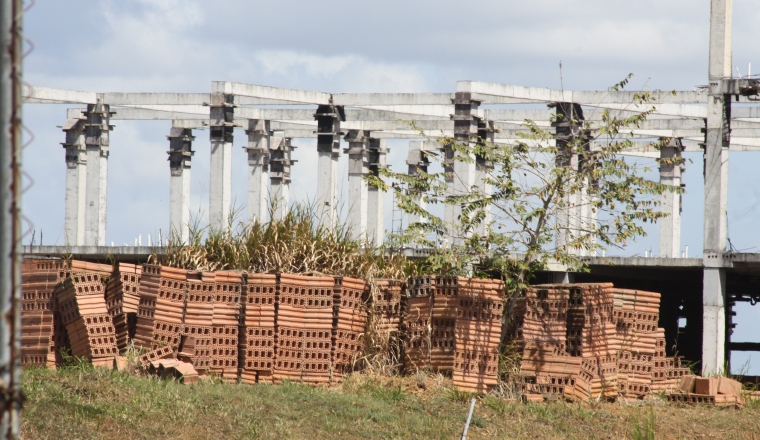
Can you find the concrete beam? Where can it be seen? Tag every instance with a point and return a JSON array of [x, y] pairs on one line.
[[276, 93], [115, 99], [371, 99], [48, 95], [578, 97]]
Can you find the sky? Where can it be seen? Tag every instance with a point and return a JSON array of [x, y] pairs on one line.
[[355, 46]]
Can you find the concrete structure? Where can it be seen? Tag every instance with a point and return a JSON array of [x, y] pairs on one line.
[[180, 154], [97, 130], [279, 174], [259, 143], [475, 113], [671, 167], [76, 181]]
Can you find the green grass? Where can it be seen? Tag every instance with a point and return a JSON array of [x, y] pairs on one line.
[[84, 402]]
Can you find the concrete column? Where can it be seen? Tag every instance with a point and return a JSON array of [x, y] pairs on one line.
[[76, 182], [716, 189], [97, 140], [180, 155], [569, 219], [670, 174], [328, 149], [460, 175], [376, 197], [259, 143], [358, 191], [222, 125], [483, 168], [279, 174], [418, 162]]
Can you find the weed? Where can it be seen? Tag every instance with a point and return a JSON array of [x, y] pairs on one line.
[[645, 429]]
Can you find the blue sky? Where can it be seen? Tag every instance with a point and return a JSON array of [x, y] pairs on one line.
[[341, 46]]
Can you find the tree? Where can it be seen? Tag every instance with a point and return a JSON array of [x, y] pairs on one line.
[[548, 197]]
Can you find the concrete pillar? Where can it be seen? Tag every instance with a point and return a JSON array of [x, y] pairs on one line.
[[180, 155], [670, 174], [328, 149], [259, 143], [569, 218], [97, 131], [76, 182], [358, 191], [460, 175], [483, 168], [222, 126], [279, 174], [376, 197], [716, 189], [418, 162]]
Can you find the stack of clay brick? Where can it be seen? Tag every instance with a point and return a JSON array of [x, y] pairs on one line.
[[38, 339], [82, 307], [386, 305], [199, 312], [416, 326], [304, 329], [477, 332], [349, 323], [453, 325], [122, 300], [539, 328], [225, 321], [611, 344], [718, 391], [642, 365], [257, 333]]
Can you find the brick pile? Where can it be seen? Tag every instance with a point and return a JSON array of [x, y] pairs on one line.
[[304, 329], [225, 322], [122, 300], [83, 311], [453, 325], [258, 328], [585, 341], [386, 305], [717, 391], [40, 337], [349, 323], [199, 313], [477, 332], [417, 324]]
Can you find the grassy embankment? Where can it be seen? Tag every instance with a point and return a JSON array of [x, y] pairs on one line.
[[83, 402]]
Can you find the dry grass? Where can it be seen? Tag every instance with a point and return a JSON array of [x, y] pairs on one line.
[[84, 402]]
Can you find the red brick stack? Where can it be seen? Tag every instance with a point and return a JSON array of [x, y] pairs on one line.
[[150, 281], [38, 336], [122, 300], [417, 322], [257, 334], [349, 323], [592, 335], [225, 323], [386, 305], [199, 312], [637, 314], [168, 315], [82, 306], [477, 333], [303, 341]]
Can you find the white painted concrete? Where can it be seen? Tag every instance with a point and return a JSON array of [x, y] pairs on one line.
[[76, 183], [258, 169]]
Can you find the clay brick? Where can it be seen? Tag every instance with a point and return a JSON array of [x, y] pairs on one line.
[[706, 386], [729, 386]]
